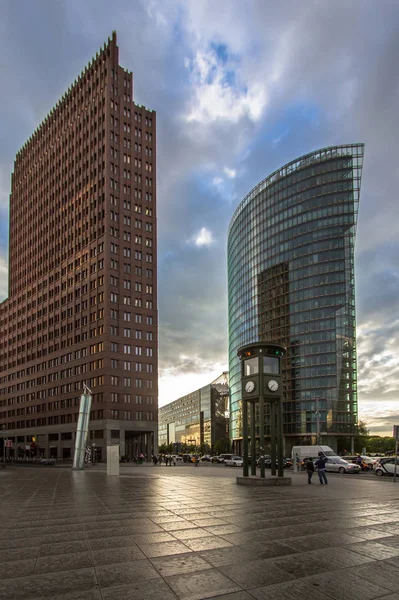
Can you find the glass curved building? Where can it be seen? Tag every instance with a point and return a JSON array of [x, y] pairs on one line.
[[291, 280]]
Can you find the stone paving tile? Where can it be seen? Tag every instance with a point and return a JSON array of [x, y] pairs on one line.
[[47, 584], [67, 548], [288, 590], [22, 553], [153, 538], [345, 588], [164, 549], [390, 541], [207, 522], [263, 535], [374, 550], [152, 589], [186, 534], [123, 573], [60, 538], [369, 534], [167, 519], [179, 564], [255, 573], [235, 596], [207, 543], [112, 542], [383, 574], [117, 555], [222, 529], [391, 597], [201, 585], [93, 594], [393, 561], [95, 534], [335, 558], [268, 549], [17, 568], [173, 526], [138, 526], [28, 544], [63, 562]]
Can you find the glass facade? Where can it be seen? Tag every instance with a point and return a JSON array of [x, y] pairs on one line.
[[197, 418], [291, 280]]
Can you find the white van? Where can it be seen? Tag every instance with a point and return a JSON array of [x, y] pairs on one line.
[[301, 452]]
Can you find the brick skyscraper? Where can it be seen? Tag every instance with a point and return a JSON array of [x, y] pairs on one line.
[[82, 303]]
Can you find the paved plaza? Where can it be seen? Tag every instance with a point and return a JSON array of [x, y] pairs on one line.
[[158, 533]]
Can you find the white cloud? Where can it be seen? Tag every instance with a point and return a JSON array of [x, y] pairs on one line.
[[203, 237], [230, 173], [214, 98], [217, 180], [186, 375]]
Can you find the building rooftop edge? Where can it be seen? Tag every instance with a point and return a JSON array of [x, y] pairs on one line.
[[193, 392], [111, 39], [276, 174]]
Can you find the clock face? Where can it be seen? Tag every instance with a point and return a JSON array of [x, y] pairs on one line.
[[249, 386], [272, 385]]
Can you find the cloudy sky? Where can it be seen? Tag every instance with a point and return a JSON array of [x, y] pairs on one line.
[[240, 88]]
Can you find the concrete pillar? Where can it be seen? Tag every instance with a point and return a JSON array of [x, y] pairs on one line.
[[149, 445], [122, 442]]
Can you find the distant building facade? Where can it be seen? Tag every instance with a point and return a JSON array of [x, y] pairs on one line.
[[82, 305], [291, 280], [198, 418]]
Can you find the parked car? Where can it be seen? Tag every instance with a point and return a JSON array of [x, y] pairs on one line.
[[217, 459], [234, 461], [386, 466], [176, 458], [335, 464], [223, 457], [364, 464], [266, 457], [206, 458], [268, 463], [187, 457], [48, 461]]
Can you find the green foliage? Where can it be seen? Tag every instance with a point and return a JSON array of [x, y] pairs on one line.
[[379, 445], [222, 446], [374, 444], [165, 449], [204, 449]]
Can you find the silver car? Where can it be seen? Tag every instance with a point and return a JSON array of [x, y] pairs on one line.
[[335, 464], [234, 461]]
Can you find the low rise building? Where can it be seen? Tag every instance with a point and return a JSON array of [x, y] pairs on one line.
[[198, 418]]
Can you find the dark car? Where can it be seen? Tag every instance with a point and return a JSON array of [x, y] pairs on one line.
[[217, 459]]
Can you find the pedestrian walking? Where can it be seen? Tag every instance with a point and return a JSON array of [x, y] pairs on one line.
[[309, 466], [321, 468], [166, 460]]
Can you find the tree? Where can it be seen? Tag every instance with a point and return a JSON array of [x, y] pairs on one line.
[[221, 446], [361, 429]]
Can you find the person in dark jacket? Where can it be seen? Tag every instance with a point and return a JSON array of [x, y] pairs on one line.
[[309, 466], [321, 468]]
